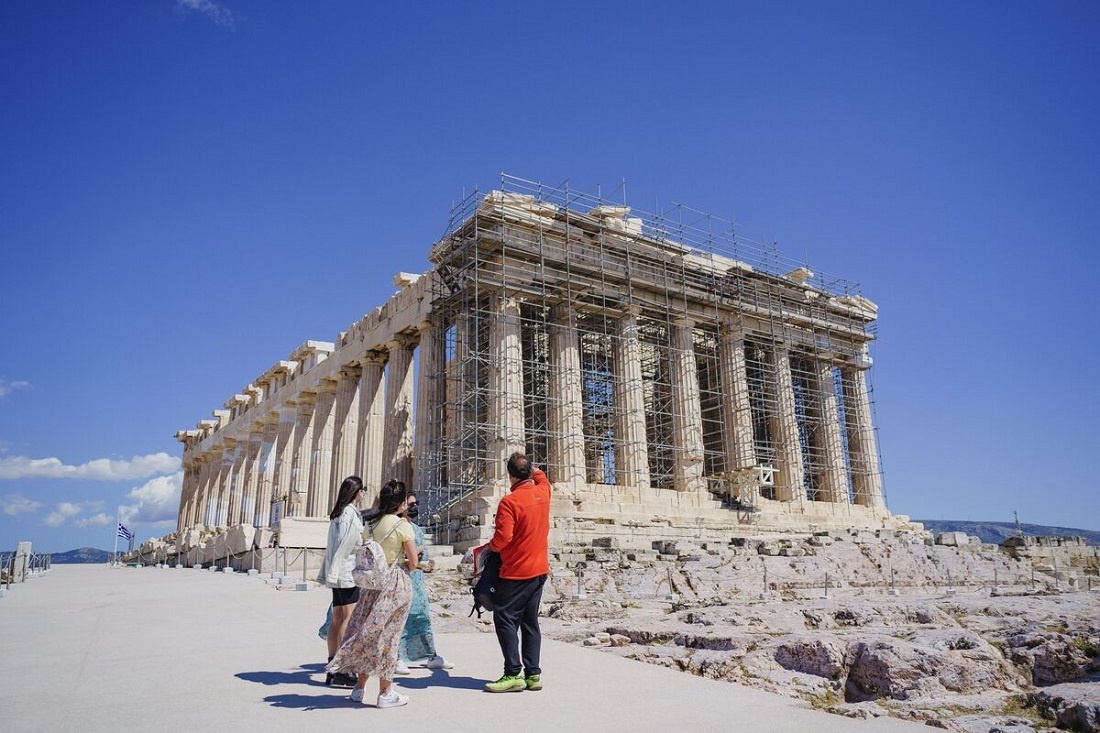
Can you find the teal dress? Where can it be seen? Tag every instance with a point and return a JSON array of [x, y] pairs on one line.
[[417, 642]]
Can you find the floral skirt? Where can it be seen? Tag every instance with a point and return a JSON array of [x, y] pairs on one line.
[[371, 641]]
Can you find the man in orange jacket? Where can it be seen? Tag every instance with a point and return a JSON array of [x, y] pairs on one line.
[[522, 539]]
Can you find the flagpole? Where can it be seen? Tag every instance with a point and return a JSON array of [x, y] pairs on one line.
[[117, 524]]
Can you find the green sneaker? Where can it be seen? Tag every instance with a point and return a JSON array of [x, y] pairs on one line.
[[534, 682], [507, 683]]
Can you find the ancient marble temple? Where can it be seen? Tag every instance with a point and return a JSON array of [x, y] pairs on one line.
[[672, 378]]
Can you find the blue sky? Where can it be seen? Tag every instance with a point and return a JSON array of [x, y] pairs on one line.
[[190, 190]]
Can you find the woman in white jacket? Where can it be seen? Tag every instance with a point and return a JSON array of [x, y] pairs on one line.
[[343, 540]]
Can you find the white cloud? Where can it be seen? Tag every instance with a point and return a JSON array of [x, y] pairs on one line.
[[157, 501], [100, 469], [15, 504], [65, 510], [6, 387], [96, 520], [217, 13]]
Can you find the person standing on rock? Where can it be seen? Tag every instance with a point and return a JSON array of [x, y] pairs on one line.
[[522, 539]]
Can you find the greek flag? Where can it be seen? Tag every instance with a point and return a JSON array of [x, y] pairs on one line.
[[125, 533]]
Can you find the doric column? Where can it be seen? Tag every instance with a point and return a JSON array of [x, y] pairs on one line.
[[371, 421], [225, 482], [461, 436], [632, 445], [832, 475], [736, 410], [687, 420], [320, 456], [566, 444], [251, 478], [862, 447], [788, 448], [505, 385], [303, 447], [346, 428], [397, 446], [207, 471], [265, 486], [191, 468], [236, 483], [281, 483], [427, 433]]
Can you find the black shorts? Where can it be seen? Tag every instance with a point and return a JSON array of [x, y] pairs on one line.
[[345, 596]]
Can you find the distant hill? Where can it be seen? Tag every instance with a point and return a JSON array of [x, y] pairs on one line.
[[83, 555], [997, 532]]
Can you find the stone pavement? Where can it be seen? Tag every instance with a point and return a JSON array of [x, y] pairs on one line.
[[90, 648]]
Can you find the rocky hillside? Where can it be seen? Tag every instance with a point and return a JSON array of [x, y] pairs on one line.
[[963, 638], [83, 555], [997, 532]]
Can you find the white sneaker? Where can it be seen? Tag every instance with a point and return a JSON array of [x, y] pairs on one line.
[[357, 694], [401, 668], [438, 662], [392, 699]]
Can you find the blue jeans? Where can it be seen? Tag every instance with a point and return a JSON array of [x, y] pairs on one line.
[[515, 613]]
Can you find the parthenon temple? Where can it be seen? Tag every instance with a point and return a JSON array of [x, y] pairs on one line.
[[673, 378]]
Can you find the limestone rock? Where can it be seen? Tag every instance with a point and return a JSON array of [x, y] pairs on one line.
[[904, 670], [1073, 706], [1050, 656], [817, 654]]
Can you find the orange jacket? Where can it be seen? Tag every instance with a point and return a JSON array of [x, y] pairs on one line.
[[523, 529]]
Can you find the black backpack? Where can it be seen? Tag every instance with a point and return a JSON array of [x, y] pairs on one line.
[[486, 586]]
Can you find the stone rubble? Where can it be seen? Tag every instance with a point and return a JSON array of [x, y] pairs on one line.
[[956, 635]]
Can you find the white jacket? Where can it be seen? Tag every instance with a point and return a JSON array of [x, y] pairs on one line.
[[344, 537]]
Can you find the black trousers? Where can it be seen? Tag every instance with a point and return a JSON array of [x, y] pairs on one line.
[[516, 612]]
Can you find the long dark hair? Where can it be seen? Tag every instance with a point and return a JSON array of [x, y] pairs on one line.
[[349, 491], [389, 499]]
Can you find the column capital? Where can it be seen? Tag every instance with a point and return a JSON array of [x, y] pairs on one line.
[[401, 342], [684, 322]]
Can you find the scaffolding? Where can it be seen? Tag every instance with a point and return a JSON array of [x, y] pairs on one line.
[[565, 256]]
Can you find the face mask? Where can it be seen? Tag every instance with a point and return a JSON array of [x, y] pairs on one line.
[[412, 511]]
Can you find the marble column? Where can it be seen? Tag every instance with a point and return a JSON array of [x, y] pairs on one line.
[[266, 471], [397, 445], [566, 440], [862, 447], [736, 409], [225, 482], [191, 467], [281, 482], [303, 447], [427, 434], [371, 422], [632, 445], [687, 420], [505, 385], [320, 456], [461, 436], [207, 472], [251, 478], [345, 424], [832, 476], [236, 482], [784, 429]]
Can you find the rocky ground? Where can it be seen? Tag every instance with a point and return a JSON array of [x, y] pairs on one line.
[[965, 639]]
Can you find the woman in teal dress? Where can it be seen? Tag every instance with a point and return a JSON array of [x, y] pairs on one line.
[[417, 641]]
